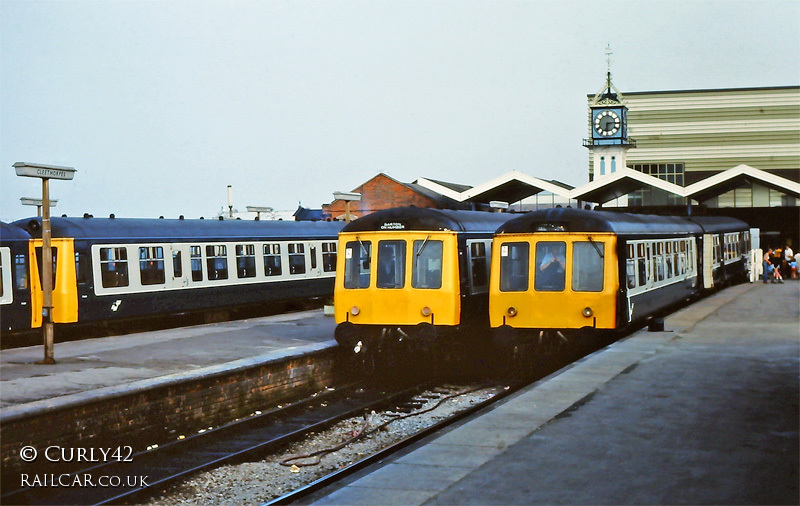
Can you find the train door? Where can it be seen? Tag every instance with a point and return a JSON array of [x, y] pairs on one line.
[[650, 264], [65, 294], [6, 290], [181, 264], [707, 264], [314, 260]]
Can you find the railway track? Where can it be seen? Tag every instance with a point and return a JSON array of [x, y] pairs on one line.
[[253, 438], [146, 472]]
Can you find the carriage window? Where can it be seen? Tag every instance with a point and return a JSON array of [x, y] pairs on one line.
[[217, 262], [630, 267], [550, 266], [272, 259], [195, 252], [114, 267], [514, 262], [245, 261], [427, 264], [480, 276], [177, 264], [391, 264], [297, 259], [587, 266], [151, 265], [312, 252], [357, 264], [20, 272], [328, 256], [82, 268]]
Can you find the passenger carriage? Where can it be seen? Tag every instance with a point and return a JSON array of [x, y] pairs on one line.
[[613, 270], [15, 293], [109, 269]]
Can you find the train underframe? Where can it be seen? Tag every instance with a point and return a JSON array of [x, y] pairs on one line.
[[524, 351], [422, 350]]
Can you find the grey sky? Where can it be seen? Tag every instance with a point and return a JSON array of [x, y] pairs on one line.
[[160, 105]]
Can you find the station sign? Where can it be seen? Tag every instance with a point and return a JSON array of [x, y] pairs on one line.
[[44, 171]]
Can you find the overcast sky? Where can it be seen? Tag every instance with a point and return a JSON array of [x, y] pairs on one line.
[[160, 105]]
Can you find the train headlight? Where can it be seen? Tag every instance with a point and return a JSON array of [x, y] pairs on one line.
[[357, 348], [512, 311], [426, 311], [587, 312], [354, 310]]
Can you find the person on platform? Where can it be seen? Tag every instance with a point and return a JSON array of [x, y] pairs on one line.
[[788, 256], [776, 275], [767, 265]]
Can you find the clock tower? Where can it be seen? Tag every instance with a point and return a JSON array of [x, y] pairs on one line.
[[608, 123]]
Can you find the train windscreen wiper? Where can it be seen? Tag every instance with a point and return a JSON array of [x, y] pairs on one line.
[[596, 248]]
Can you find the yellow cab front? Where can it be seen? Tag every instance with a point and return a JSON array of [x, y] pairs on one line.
[[554, 281], [397, 278]]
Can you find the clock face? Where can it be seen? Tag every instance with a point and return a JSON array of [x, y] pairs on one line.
[[607, 123]]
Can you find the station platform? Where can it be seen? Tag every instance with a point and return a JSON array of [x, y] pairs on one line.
[[705, 412], [93, 369]]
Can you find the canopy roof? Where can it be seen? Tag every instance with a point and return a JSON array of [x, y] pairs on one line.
[[515, 186]]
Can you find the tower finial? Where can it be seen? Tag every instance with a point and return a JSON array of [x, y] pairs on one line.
[[608, 57]]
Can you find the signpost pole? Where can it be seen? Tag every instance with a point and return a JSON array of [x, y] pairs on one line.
[[47, 275], [45, 173]]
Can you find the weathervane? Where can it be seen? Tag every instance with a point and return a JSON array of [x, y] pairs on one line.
[[609, 94]]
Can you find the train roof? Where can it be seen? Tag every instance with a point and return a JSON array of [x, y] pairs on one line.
[[12, 233], [579, 220], [422, 218], [121, 229], [717, 224]]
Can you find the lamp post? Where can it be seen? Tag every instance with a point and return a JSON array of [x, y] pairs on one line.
[[29, 201], [46, 173], [258, 210], [347, 197]]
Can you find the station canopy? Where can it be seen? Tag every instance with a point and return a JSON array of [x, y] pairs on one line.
[[510, 187], [515, 186]]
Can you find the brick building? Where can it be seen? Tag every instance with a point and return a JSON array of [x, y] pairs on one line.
[[384, 192]]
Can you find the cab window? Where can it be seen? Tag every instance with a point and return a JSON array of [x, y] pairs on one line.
[[550, 266], [391, 264], [514, 265], [427, 264], [357, 264], [587, 266]]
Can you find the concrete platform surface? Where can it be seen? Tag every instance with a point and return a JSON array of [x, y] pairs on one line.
[[703, 413], [94, 367]]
